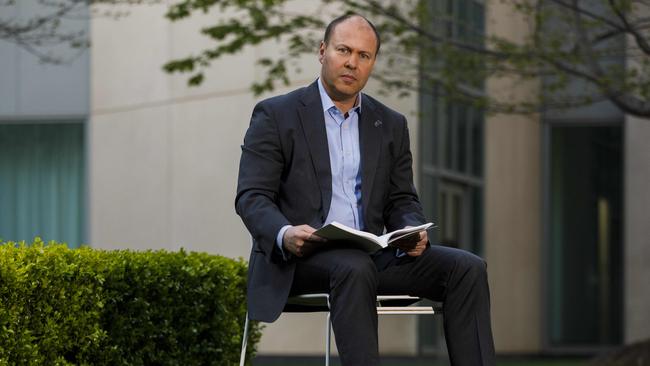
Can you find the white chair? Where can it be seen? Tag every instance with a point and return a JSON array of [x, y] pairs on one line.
[[386, 305]]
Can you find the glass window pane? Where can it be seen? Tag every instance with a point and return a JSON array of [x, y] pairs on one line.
[[585, 236], [451, 169], [450, 16], [478, 22], [461, 138], [428, 198], [477, 144], [456, 215], [42, 182], [463, 19], [477, 221], [428, 130], [449, 137]]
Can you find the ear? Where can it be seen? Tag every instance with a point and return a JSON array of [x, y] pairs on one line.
[[321, 52]]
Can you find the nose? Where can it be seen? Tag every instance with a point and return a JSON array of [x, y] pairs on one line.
[[352, 61]]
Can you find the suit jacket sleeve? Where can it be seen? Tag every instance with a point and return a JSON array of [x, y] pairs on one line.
[[402, 205], [260, 171]]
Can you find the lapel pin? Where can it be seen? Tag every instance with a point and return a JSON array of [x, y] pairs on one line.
[[377, 123]]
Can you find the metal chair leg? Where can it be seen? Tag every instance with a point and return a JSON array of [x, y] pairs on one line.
[[328, 336], [244, 343], [328, 340]]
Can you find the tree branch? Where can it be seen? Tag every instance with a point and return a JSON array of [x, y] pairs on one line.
[[432, 37], [577, 9], [639, 38]]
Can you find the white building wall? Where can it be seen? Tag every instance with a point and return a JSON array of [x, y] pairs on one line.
[[31, 90], [163, 157], [512, 205], [636, 231]]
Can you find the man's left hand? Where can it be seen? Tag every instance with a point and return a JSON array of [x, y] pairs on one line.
[[420, 246]]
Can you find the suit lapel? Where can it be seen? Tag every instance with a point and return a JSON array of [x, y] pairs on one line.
[[370, 128], [313, 125]]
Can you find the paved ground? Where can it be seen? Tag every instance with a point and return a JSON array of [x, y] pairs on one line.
[[401, 361]]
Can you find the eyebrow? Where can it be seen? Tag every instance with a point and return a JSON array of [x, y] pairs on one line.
[[350, 48]]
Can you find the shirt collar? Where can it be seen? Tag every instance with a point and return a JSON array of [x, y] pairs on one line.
[[328, 103]]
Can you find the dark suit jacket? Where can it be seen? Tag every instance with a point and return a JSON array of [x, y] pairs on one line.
[[285, 179]]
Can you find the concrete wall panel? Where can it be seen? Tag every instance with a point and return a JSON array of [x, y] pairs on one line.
[[304, 334], [637, 230], [128, 54], [129, 185], [205, 148], [512, 204], [31, 89]]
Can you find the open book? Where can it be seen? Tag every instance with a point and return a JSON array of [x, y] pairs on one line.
[[367, 241]]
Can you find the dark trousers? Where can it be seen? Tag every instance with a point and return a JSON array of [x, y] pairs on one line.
[[354, 279]]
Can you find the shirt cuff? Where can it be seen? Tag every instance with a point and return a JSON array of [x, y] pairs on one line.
[[399, 253], [279, 240]]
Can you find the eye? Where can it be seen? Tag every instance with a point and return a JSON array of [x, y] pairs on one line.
[[343, 50], [365, 56]]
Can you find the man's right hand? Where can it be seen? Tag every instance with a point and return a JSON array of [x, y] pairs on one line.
[[301, 241]]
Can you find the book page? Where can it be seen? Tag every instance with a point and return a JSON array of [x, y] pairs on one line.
[[365, 240], [401, 233]]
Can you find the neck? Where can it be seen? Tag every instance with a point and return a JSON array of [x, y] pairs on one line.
[[343, 102], [345, 105]]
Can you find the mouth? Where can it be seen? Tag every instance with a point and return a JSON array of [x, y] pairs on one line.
[[348, 78]]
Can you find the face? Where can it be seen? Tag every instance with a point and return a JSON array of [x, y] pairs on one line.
[[347, 59]]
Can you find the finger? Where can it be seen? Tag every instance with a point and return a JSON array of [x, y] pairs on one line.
[[307, 251], [316, 238], [311, 246], [295, 250], [305, 248], [406, 248], [413, 253], [303, 235], [307, 229], [407, 244]]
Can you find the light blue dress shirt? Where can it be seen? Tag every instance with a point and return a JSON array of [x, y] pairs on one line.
[[345, 161]]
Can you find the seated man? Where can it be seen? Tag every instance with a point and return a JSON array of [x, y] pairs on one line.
[[328, 152]]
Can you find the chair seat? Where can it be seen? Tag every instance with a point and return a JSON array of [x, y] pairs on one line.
[[307, 303], [386, 304], [319, 302]]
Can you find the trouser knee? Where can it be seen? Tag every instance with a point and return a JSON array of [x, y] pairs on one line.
[[355, 269], [473, 266]]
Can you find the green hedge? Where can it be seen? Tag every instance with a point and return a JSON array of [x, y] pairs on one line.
[[61, 306]]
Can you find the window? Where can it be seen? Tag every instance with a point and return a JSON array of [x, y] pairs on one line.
[[451, 155], [42, 182], [584, 250]]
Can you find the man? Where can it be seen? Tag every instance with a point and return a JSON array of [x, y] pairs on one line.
[[327, 153]]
